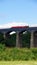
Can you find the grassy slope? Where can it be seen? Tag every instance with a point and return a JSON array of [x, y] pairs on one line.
[[18, 62]]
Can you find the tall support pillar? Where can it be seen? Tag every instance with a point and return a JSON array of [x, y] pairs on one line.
[[32, 39], [18, 39], [4, 35]]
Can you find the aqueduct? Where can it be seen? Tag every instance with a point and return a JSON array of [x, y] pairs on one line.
[[19, 30]]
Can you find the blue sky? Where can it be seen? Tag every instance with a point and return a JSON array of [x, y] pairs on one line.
[[18, 11]]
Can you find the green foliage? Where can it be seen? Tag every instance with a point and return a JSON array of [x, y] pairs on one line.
[[1, 37], [7, 53], [26, 39], [11, 41], [17, 53]]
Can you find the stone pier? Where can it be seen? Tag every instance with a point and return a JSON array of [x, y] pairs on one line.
[[32, 39], [18, 39], [4, 35]]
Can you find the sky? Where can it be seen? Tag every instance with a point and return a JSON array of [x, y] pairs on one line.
[[24, 11]]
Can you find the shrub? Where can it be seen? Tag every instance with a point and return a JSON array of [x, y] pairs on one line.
[[17, 53]]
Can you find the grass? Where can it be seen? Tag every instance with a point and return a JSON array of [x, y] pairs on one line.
[[18, 62]]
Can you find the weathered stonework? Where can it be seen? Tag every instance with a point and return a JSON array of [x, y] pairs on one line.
[[18, 39], [32, 39]]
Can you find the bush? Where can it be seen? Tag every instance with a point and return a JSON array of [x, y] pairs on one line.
[[17, 53], [2, 46], [11, 41]]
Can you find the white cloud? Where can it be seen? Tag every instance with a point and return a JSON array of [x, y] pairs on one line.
[[33, 25], [9, 25]]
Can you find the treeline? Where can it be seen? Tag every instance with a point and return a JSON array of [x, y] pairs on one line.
[[11, 41]]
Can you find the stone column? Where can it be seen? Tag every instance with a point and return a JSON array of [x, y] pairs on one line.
[[18, 39], [4, 35], [32, 39]]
